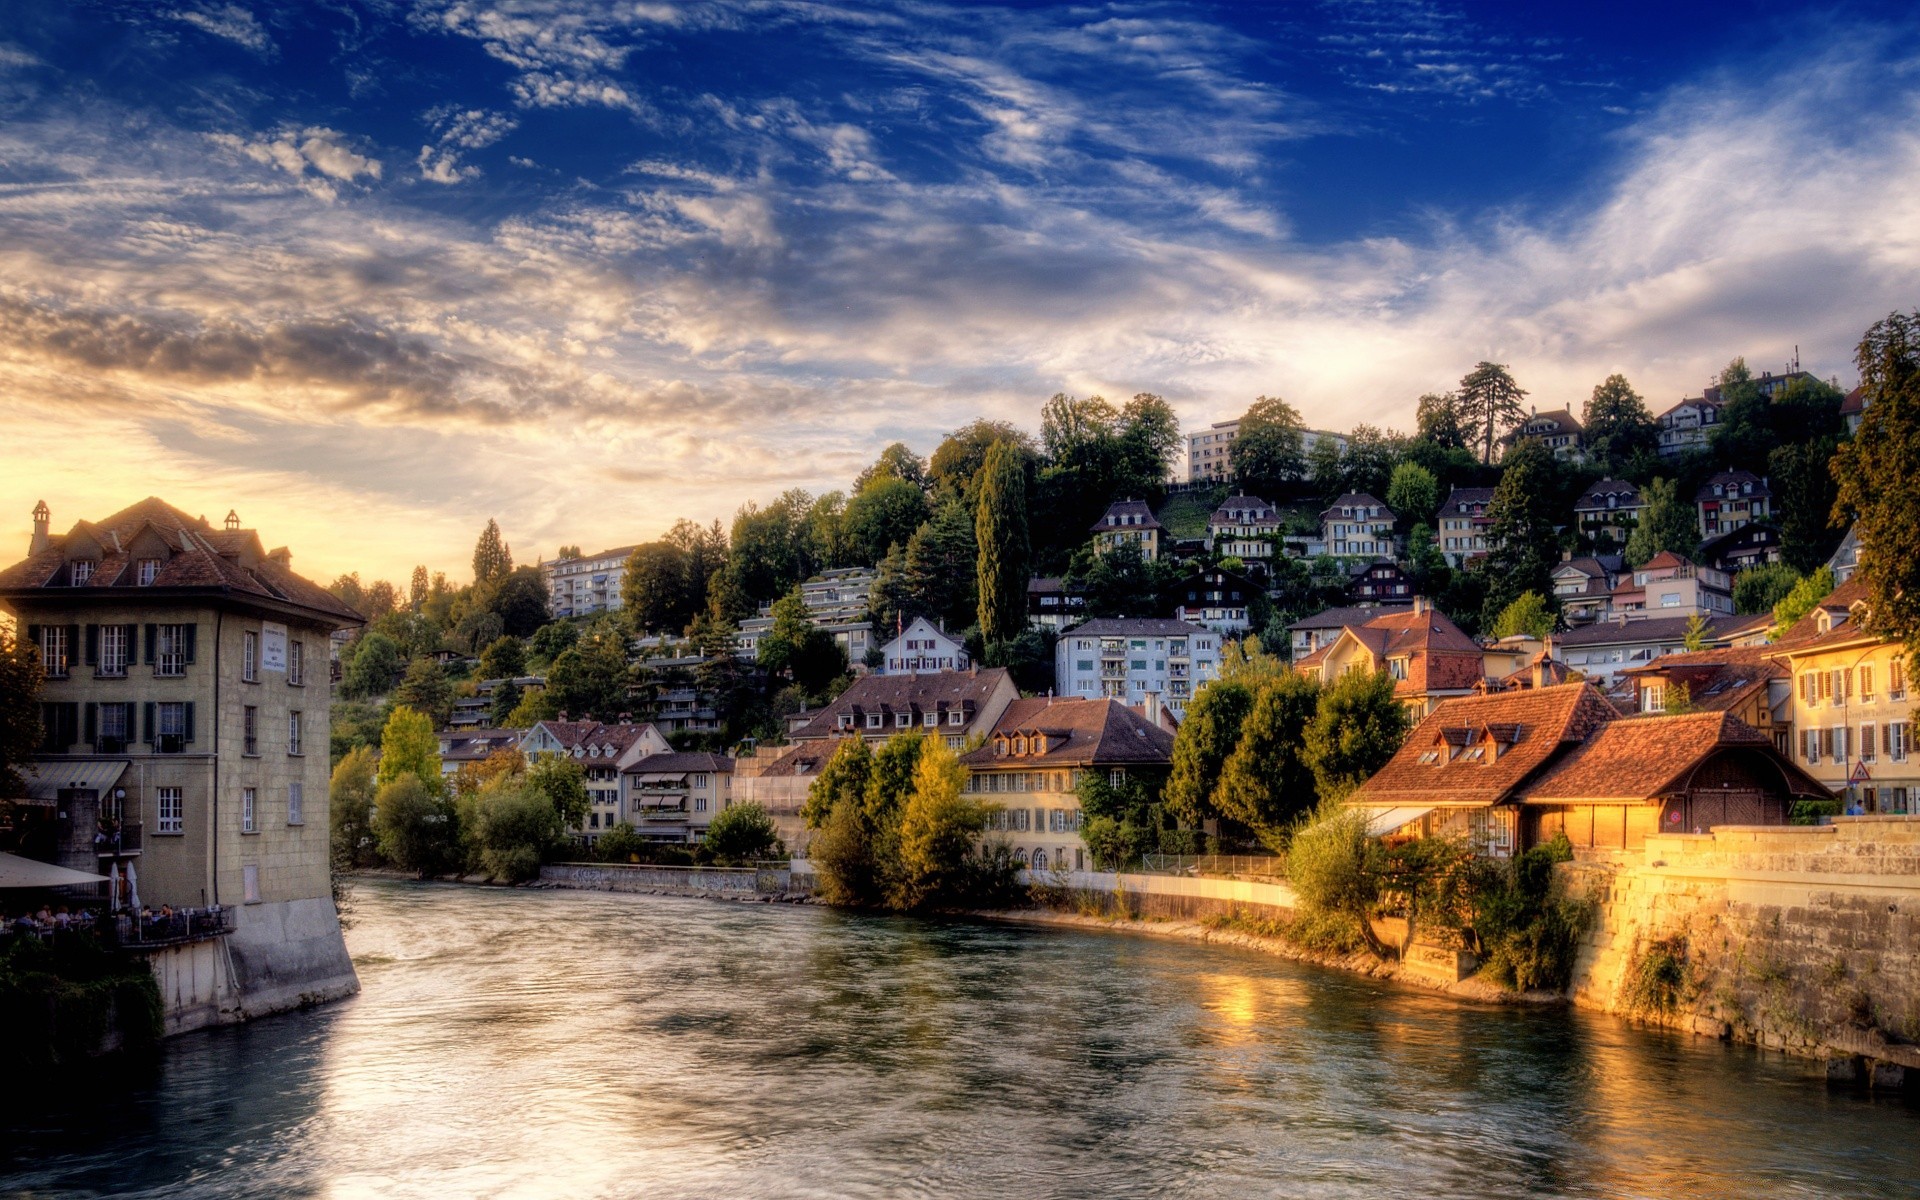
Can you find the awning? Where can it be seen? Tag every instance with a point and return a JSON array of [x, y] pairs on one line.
[[17, 872], [1383, 821], [45, 779]]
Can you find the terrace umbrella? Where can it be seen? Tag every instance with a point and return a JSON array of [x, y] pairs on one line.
[[17, 872]]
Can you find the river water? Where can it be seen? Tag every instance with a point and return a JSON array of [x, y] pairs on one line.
[[576, 1044]]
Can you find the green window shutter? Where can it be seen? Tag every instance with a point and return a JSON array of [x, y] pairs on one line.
[[189, 708], [93, 648], [74, 634], [191, 631], [147, 719], [133, 645], [153, 639], [93, 723]]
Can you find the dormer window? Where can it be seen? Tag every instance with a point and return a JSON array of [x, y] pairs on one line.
[[931, 719], [148, 571], [1474, 754], [81, 571], [1020, 745], [902, 720], [1430, 758], [873, 720], [956, 718]]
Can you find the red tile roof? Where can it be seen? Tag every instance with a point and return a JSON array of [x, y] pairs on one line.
[[1637, 759], [1717, 680], [939, 692], [1076, 733]]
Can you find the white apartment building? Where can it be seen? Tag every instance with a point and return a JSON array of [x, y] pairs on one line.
[[1130, 658], [836, 601], [577, 587], [1358, 525], [1209, 452]]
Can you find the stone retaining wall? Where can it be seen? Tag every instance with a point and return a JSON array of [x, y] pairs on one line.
[[735, 882], [1107, 893]]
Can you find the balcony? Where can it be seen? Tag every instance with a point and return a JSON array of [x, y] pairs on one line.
[[124, 842], [170, 743]]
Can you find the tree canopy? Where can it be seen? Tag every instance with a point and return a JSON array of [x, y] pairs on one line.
[[1669, 523], [1266, 455], [1879, 484], [1489, 405], [1000, 534]]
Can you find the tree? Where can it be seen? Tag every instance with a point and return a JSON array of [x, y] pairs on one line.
[[1530, 615], [884, 513], [491, 558], [507, 696], [1000, 532], [520, 601], [549, 640], [515, 827], [415, 825], [417, 590], [1523, 544], [1618, 425], [941, 566], [408, 747], [938, 828], [504, 658], [426, 690], [350, 810], [897, 461], [533, 707], [1696, 635], [1335, 870], [1357, 727], [1489, 405], [1758, 589], [381, 598], [1669, 523], [957, 461], [1266, 455], [1803, 599], [1368, 463], [1118, 582], [1438, 420], [376, 664], [20, 680], [1149, 442], [1201, 746], [1326, 468], [742, 834], [771, 548], [826, 531], [589, 681], [1267, 781], [1426, 566], [570, 550], [890, 601], [563, 783], [1801, 477], [654, 591], [1413, 493]]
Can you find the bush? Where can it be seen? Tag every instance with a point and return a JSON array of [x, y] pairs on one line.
[[1528, 936], [1657, 976], [742, 834], [1335, 870], [416, 827], [620, 844], [515, 826]]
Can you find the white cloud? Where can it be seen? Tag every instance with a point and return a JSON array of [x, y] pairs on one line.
[[323, 152], [459, 130], [229, 21]]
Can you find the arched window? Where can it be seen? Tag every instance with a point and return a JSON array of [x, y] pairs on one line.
[[1039, 860], [1020, 856]]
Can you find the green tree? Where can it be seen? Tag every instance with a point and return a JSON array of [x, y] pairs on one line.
[[1326, 468], [563, 782], [1336, 870], [350, 810], [845, 777], [897, 461], [549, 640], [1696, 635], [415, 825], [957, 461], [1369, 460], [1358, 726], [1758, 589], [771, 548], [504, 658], [590, 680], [1426, 566], [1803, 599], [533, 707], [20, 680], [417, 589], [1149, 441], [942, 562], [1670, 523], [742, 834], [425, 689], [1266, 456], [884, 513], [491, 558], [1267, 781], [515, 827], [654, 590], [1119, 582], [1201, 746], [375, 666], [1618, 426], [1000, 532], [1804, 489], [1413, 494], [506, 699], [827, 535], [1438, 420], [1489, 405], [408, 746], [939, 825], [621, 844], [891, 604], [520, 601], [1530, 615], [1523, 544]]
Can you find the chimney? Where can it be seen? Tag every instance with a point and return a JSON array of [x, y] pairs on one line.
[[41, 519]]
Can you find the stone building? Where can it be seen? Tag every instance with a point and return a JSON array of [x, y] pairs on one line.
[[187, 696]]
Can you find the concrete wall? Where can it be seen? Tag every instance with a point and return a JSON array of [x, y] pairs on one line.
[[1799, 938], [196, 985], [1179, 896], [680, 881], [288, 955]]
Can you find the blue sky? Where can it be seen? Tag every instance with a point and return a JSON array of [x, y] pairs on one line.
[[371, 272]]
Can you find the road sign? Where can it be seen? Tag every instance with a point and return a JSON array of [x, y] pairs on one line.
[[1860, 773]]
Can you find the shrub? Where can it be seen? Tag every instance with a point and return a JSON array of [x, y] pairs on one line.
[[1657, 977], [1335, 871], [416, 827], [741, 834], [620, 844]]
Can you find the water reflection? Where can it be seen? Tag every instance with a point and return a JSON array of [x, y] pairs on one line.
[[569, 1044]]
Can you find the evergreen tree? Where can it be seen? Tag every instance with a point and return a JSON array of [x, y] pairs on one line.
[[942, 561], [1489, 405], [1266, 456], [1618, 425], [1267, 780], [506, 699], [425, 689], [1879, 474], [491, 558], [1523, 545], [1000, 531], [1801, 478], [1696, 635], [504, 658], [891, 605], [1357, 726], [1670, 523]]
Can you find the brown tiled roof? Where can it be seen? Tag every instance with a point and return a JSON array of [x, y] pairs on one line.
[[596, 733], [1595, 497], [1340, 618], [1731, 482], [1527, 728], [803, 760], [1805, 633], [681, 763], [1646, 629], [1357, 500], [1855, 401], [1128, 508], [1460, 497], [1078, 732], [1717, 680], [199, 557], [917, 694], [1636, 759]]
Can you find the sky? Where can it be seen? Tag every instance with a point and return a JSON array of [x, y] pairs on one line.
[[371, 272]]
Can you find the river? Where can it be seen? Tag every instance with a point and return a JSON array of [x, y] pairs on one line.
[[577, 1044]]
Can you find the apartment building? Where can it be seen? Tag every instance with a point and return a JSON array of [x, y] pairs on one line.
[[1210, 452], [578, 587], [1670, 584], [673, 797], [1130, 659], [1464, 524], [1358, 525], [836, 601], [1128, 523], [1051, 606], [603, 751], [1607, 512], [1220, 600], [186, 703]]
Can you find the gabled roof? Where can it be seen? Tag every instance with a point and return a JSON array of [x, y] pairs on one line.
[[1459, 498], [1717, 680], [1637, 759], [1112, 518], [620, 736], [1556, 421], [1731, 482], [678, 763], [1134, 627], [1625, 495], [199, 560], [1340, 618], [1259, 512], [915, 693], [1078, 733], [1647, 629], [1357, 500], [1593, 567], [1518, 734], [1843, 626], [1692, 402], [1854, 402]]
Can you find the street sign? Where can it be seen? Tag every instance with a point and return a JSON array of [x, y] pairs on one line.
[[1860, 773]]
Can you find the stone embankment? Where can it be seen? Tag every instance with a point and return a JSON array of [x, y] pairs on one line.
[[724, 883]]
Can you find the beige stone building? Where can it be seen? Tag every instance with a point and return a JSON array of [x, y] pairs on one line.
[[187, 690]]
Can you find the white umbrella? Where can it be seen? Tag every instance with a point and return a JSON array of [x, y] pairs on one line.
[[133, 889], [113, 887], [17, 872]]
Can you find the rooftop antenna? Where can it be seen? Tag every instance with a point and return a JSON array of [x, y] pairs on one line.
[[1796, 356]]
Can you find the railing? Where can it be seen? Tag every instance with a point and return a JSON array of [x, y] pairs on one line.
[[1229, 866], [124, 840], [187, 925]]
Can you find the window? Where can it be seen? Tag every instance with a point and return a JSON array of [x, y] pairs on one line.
[[1809, 688], [1897, 741], [1084, 664], [82, 570], [1838, 683], [170, 727], [956, 718], [1840, 743], [1669, 599], [1653, 698], [1897, 679], [294, 722], [250, 730], [171, 651], [1868, 743], [248, 796], [112, 661], [54, 650], [873, 720], [250, 884], [296, 664], [114, 732], [930, 719], [296, 803], [250, 656], [699, 804], [172, 812], [148, 572], [1137, 664], [902, 720], [700, 781]]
